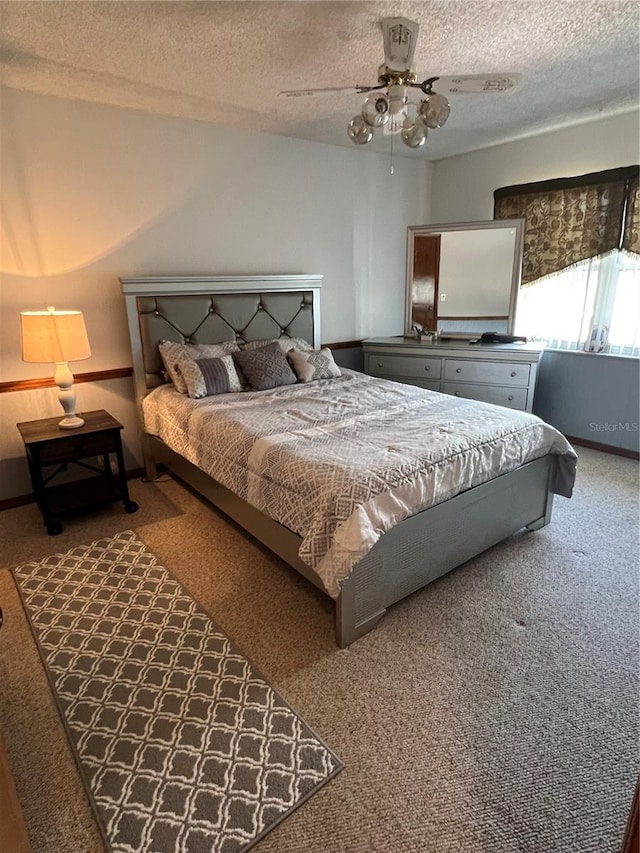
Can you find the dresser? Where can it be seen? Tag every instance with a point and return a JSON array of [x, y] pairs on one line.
[[504, 374]]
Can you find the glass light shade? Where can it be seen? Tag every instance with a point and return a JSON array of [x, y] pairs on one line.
[[359, 131], [414, 133], [434, 110], [375, 110]]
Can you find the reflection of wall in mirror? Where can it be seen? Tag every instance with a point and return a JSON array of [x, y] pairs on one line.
[[474, 267]]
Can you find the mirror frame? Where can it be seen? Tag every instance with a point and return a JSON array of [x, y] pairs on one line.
[[491, 224]]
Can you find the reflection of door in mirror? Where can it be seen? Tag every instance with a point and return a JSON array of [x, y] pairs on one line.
[[426, 266]]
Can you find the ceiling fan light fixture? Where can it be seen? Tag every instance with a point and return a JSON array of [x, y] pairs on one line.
[[397, 98], [359, 131], [391, 109], [375, 110], [434, 110], [414, 133]]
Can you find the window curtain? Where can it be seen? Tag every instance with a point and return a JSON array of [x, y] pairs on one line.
[[631, 237], [569, 220]]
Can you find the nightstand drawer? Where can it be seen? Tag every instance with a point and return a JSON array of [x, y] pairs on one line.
[[402, 365], [491, 372], [77, 447]]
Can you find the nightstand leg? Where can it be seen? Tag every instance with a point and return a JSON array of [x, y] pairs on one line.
[[54, 527], [129, 505]]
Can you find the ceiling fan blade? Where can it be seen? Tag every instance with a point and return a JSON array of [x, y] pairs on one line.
[[399, 36], [303, 93], [477, 84]]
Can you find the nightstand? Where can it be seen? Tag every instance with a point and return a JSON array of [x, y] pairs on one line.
[[98, 440]]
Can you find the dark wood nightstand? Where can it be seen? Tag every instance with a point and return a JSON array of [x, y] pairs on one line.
[[48, 445]]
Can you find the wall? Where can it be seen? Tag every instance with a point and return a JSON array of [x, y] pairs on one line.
[[608, 414], [462, 186], [91, 193], [574, 390]]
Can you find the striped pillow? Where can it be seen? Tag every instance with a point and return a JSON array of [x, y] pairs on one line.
[[172, 354], [205, 377]]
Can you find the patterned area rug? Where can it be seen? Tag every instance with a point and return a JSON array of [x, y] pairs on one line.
[[182, 744]]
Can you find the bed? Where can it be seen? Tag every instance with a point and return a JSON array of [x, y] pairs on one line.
[[368, 488]]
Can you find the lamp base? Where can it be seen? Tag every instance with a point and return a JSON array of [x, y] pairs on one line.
[[71, 422], [67, 396]]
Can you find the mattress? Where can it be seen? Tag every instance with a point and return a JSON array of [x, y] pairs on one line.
[[341, 461]]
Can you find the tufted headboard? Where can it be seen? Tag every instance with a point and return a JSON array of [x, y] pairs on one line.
[[210, 309]]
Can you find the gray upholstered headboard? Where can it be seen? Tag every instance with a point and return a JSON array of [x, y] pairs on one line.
[[210, 309]]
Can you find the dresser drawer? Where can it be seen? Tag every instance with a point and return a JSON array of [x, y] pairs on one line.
[[491, 372], [77, 447], [402, 365], [429, 384], [512, 398]]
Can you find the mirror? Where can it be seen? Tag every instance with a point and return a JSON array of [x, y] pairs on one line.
[[463, 277]]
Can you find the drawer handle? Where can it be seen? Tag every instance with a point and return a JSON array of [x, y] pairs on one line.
[[513, 372], [427, 367], [510, 397], [458, 370], [380, 364]]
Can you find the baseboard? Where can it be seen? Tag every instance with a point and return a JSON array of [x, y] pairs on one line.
[[23, 500], [605, 448]]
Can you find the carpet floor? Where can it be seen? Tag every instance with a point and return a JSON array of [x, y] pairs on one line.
[[496, 710]]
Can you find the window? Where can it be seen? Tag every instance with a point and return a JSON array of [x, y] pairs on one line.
[[594, 305], [581, 259]]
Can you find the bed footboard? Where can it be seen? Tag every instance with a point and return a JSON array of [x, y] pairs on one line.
[[408, 557], [437, 540]]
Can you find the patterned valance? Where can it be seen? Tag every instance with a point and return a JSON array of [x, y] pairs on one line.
[[568, 220], [631, 237]]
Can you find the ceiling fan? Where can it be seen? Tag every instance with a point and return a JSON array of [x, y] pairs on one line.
[[388, 106]]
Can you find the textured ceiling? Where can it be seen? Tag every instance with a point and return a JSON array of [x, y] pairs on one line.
[[224, 62]]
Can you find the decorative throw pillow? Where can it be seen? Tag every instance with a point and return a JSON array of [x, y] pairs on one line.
[[207, 376], [265, 367], [284, 342], [317, 364], [173, 353]]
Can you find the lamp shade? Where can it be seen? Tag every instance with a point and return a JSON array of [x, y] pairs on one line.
[[54, 336]]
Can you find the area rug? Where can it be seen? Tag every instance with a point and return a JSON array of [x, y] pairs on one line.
[[181, 743]]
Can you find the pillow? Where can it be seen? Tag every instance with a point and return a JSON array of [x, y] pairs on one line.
[[207, 376], [172, 353], [284, 342], [317, 364], [265, 367]]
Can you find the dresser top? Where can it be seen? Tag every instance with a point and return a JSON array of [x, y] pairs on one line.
[[459, 346]]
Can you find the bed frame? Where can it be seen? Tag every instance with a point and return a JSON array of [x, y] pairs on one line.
[[409, 556]]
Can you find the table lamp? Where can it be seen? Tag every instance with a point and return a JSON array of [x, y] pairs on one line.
[[57, 336]]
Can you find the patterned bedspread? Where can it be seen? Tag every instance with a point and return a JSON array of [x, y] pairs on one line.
[[341, 461]]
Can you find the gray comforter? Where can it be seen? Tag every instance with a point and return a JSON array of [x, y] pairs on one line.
[[341, 461]]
